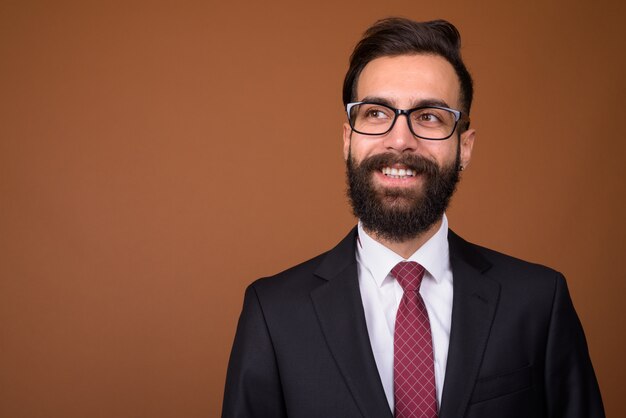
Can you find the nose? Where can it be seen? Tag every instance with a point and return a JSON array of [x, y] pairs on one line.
[[400, 138]]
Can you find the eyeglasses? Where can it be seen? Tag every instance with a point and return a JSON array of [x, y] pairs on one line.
[[426, 122]]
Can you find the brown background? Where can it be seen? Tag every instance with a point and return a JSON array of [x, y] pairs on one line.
[[155, 158]]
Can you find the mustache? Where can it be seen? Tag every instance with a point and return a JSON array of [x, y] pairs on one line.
[[417, 163]]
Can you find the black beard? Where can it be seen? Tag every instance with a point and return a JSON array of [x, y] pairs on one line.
[[399, 214]]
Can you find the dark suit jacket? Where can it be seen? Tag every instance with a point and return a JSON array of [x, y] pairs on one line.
[[517, 348]]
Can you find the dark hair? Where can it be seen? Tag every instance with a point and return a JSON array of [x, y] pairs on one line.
[[398, 36]]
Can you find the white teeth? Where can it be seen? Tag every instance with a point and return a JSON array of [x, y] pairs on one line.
[[398, 173]]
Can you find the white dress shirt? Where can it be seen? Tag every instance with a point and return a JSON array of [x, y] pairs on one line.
[[381, 295]]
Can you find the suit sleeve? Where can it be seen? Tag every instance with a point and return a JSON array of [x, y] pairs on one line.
[[571, 386], [253, 388]]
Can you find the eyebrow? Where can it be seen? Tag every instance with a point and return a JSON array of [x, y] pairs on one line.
[[418, 103]]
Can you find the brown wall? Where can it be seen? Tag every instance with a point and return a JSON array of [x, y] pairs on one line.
[[156, 158]]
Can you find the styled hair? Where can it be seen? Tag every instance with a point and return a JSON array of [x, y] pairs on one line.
[[399, 36]]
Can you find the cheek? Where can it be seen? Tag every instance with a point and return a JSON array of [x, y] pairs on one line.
[[443, 152], [362, 148]]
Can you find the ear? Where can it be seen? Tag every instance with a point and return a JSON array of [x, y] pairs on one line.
[[466, 144], [347, 136]]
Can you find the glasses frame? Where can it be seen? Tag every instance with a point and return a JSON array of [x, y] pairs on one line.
[[458, 115]]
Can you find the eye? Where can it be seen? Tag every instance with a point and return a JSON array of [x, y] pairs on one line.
[[430, 117], [373, 112], [427, 117]]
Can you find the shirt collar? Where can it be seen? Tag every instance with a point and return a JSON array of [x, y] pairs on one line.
[[379, 260]]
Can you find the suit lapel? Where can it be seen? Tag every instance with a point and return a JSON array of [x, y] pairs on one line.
[[474, 305], [340, 312]]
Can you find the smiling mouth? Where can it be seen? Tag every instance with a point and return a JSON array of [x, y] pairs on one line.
[[398, 173]]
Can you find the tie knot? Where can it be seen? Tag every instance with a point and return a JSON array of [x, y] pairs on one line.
[[409, 274]]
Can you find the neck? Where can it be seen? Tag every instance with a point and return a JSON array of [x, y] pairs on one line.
[[407, 247]]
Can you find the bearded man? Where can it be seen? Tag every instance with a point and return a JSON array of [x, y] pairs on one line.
[[403, 318]]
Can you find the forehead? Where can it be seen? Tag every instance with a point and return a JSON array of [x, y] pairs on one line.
[[407, 79]]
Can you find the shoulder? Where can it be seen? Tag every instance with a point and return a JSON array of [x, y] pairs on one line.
[[302, 278], [282, 297], [513, 264], [502, 267], [526, 291], [296, 276]]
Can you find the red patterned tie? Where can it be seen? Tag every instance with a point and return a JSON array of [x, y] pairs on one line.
[[413, 366]]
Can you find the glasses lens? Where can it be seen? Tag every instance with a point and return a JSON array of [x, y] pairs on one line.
[[432, 122], [368, 118]]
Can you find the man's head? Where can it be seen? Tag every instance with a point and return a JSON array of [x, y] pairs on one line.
[[399, 182], [397, 36]]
